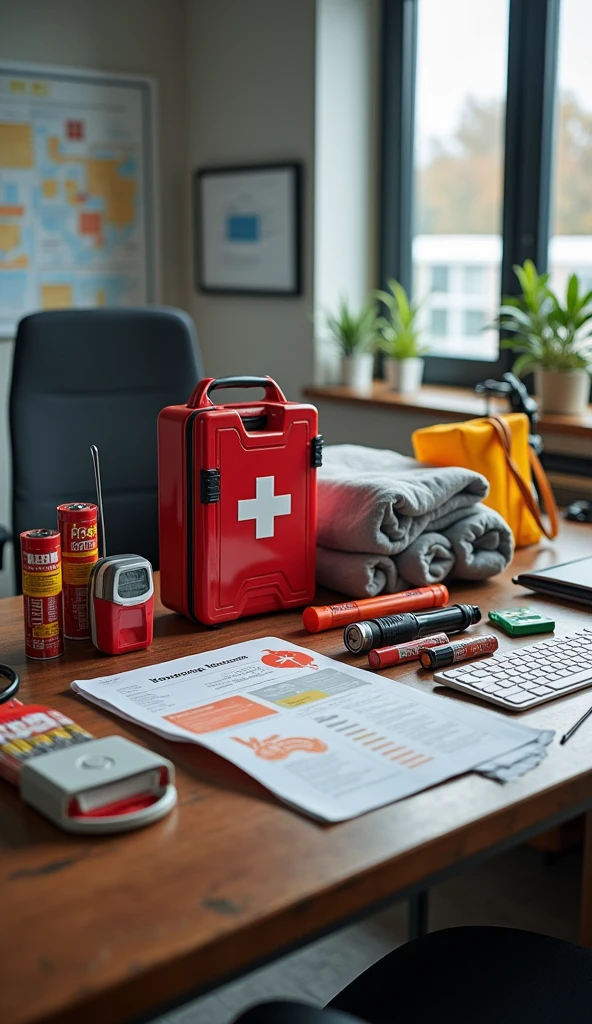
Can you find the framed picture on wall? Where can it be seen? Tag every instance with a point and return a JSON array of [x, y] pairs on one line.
[[247, 229]]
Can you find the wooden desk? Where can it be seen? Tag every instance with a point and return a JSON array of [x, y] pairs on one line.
[[102, 929]]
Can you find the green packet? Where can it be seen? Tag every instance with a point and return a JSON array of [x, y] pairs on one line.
[[521, 621]]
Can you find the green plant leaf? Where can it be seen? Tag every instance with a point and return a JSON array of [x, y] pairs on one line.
[[571, 295], [548, 332], [399, 333], [353, 332], [524, 364], [513, 314]]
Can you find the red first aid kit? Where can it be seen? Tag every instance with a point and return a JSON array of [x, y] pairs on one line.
[[237, 503]]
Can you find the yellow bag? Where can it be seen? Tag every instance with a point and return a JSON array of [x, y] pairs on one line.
[[497, 447]]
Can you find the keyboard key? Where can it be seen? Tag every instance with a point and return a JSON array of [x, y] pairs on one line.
[[540, 691], [568, 681], [518, 698], [514, 691], [469, 677], [481, 684]]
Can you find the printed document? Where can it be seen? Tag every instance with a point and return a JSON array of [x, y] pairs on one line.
[[330, 739]]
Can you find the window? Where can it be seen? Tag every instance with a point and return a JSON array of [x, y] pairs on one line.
[[476, 168], [474, 320], [474, 279], [439, 279], [459, 152], [570, 247], [438, 322]]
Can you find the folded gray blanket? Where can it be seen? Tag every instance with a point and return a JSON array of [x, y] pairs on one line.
[[476, 546], [378, 501], [357, 575]]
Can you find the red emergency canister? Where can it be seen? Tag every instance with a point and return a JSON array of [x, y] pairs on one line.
[[458, 650], [383, 657], [42, 593], [77, 522]]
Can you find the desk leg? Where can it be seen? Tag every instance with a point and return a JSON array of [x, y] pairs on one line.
[[586, 896], [418, 916]]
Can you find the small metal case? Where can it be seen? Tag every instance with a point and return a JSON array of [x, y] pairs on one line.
[[102, 786]]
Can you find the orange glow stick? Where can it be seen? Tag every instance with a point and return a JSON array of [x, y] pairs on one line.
[[330, 616]]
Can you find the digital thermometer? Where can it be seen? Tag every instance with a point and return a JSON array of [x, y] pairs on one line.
[[121, 603]]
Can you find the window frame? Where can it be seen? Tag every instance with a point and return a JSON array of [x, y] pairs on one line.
[[533, 35]]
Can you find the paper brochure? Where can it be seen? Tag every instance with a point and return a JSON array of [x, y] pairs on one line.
[[330, 739]]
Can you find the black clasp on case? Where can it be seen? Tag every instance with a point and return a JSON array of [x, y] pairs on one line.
[[316, 451], [209, 486]]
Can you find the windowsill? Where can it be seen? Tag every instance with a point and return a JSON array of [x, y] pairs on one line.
[[448, 403]]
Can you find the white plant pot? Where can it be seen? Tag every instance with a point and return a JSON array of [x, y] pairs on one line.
[[565, 392], [404, 375], [357, 372]]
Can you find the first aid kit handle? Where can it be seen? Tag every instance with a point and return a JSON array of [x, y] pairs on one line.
[[201, 395]]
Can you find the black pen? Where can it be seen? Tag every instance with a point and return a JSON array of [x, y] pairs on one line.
[[577, 725]]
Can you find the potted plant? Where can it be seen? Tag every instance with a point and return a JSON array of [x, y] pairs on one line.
[[552, 338], [356, 336], [399, 340]]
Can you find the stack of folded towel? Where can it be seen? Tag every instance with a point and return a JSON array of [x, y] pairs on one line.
[[387, 522]]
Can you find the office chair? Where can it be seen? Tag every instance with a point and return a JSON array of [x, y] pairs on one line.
[[96, 376], [474, 975]]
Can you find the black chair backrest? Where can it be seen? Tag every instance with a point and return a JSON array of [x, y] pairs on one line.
[[96, 376]]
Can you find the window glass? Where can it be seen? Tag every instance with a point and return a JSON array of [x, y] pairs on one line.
[[474, 320], [439, 279], [438, 322], [570, 247], [474, 280], [458, 168]]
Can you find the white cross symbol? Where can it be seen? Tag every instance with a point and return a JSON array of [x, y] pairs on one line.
[[264, 507]]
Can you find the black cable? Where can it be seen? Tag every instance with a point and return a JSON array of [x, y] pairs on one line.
[[10, 690]]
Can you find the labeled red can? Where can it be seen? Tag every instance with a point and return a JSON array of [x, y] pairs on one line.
[[77, 523], [383, 657], [42, 593], [458, 650]]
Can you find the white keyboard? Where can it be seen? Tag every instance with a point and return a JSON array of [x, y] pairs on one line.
[[527, 676]]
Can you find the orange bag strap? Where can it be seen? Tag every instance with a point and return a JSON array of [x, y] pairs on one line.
[[505, 438]]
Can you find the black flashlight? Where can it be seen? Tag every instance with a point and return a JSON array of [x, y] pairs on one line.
[[396, 629]]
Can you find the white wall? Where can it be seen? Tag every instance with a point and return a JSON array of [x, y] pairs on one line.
[[145, 36], [251, 67], [349, 423]]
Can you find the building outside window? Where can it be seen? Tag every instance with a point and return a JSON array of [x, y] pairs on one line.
[[438, 322], [474, 279], [440, 278], [474, 320]]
